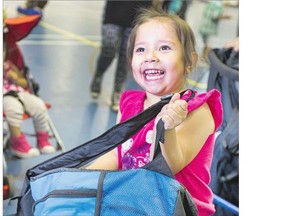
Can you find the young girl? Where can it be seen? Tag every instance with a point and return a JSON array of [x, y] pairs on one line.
[[17, 100], [161, 51]]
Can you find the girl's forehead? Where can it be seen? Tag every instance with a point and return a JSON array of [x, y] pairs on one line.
[[156, 25], [159, 21]]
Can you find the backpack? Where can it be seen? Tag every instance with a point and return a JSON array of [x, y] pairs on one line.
[[224, 76], [59, 186]]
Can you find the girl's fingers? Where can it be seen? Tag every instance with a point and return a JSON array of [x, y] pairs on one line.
[[174, 113], [175, 97]]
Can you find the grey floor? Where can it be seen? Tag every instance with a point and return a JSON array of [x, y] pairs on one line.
[[61, 52]]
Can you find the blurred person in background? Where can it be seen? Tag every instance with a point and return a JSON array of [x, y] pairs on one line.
[[32, 7], [178, 7], [17, 100], [118, 17], [209, 25]]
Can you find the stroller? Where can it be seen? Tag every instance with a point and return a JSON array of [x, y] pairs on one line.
[[14, 30], [224, 76]]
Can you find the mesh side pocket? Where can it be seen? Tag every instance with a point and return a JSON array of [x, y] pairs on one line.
[[139, 192]]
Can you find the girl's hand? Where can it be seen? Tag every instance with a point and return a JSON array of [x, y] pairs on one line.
[[17, 78], [174, 113]]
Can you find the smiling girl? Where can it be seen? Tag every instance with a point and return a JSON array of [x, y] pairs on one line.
[[161, 52]]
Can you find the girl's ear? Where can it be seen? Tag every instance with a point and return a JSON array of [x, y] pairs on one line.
[[193, 62], [194, 56]]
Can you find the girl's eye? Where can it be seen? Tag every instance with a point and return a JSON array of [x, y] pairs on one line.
[[140, 49], [165, 47]]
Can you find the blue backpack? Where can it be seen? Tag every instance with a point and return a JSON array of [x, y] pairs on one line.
[[59, 186]]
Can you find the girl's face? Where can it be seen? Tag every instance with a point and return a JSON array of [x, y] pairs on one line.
[[158, 62]]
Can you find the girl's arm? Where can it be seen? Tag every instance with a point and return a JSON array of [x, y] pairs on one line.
[[108, 161], [185, 134]]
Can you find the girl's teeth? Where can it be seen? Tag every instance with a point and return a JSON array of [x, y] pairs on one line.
[[154, 77], [153, 74]]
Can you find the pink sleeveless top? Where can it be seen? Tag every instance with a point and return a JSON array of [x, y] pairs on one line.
[[9, 85], [135, 152]]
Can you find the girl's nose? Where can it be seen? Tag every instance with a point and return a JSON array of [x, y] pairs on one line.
[[151, 56]]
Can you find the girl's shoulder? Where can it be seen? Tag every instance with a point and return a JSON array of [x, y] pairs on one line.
[[213, 99], [131, 103], [128, 94]]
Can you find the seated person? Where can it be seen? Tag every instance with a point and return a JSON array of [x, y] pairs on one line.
[[16, 101]]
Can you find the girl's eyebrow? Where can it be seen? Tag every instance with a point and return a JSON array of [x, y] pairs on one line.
[[167, 41], [139, 43], [159, 41]]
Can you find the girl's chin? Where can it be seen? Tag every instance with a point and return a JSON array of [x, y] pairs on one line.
[[159, 91]]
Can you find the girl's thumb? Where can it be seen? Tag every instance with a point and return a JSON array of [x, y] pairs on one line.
[[175, 97]]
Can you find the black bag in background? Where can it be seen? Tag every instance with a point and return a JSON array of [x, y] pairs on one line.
[[224, 76]]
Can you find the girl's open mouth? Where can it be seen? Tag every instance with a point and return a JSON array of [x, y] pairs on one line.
[[153, 74]]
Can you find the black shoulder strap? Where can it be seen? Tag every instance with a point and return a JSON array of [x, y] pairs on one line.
[[89, 151], [159, 164]]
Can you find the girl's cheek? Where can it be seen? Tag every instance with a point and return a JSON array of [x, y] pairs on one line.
[[135, 64]]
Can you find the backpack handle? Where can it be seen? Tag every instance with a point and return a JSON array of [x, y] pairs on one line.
[[89, 151], [158, 163]]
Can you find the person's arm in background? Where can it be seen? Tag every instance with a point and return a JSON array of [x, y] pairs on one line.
[[233, 44], [16, 76]]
